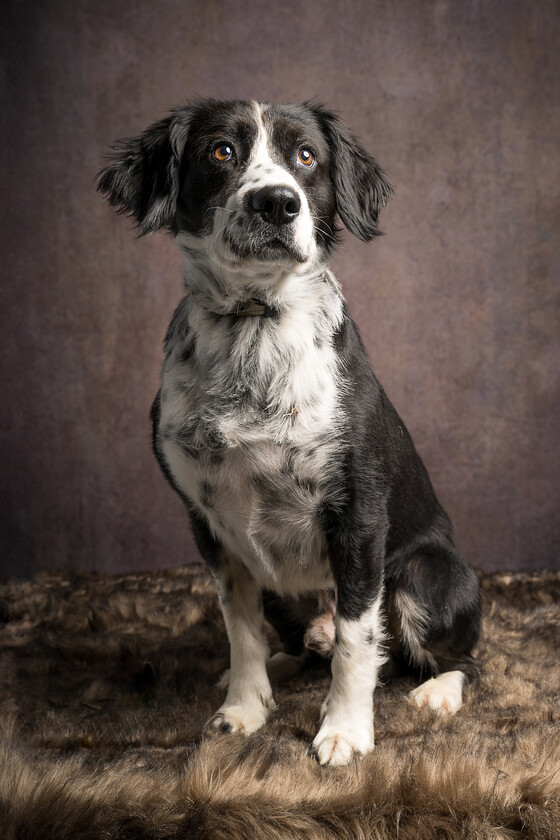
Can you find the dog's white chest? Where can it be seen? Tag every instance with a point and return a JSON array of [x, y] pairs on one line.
[[249, 439]]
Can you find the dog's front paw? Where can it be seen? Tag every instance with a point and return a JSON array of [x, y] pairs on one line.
[[337, 745], [244, 719]]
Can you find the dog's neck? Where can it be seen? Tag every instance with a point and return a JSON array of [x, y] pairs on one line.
[[253, 290]]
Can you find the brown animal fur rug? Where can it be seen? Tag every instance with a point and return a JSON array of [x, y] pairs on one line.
[[106, 683]]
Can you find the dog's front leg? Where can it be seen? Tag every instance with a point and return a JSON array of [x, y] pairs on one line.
[[249, 698], [347, 712]]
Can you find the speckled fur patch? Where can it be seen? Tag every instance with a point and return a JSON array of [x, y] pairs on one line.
[[249, 422]]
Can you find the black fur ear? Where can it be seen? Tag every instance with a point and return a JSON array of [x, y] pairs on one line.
[[361, 187], [142, 178]]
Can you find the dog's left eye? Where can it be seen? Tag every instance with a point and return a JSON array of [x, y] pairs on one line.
[[223, 152], [306, 157]]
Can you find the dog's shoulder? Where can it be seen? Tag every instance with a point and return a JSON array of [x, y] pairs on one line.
[[179, 329]]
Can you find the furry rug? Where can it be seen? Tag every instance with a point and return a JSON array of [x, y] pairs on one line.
[[106, 682]]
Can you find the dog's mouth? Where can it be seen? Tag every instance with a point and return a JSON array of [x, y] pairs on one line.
[[278, 247], [254, 240]]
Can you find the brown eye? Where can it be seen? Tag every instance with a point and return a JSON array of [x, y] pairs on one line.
[[223, 152], [306, 157]]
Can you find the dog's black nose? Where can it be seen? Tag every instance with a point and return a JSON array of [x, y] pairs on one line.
[[277, 204]]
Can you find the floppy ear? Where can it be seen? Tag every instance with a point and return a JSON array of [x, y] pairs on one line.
[[142, 177], [361, 187]]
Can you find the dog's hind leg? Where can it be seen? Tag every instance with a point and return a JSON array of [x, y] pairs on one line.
[[443, 694], [433, 602]]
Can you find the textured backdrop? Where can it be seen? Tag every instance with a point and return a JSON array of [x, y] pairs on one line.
[[458, 303]]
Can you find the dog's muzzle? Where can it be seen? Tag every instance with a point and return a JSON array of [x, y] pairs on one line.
[[267, 229]]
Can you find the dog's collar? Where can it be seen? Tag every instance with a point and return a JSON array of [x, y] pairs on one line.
[[253, 307]]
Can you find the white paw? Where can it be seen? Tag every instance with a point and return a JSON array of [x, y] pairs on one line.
[[241, 718], [337, 745], [443, 694]]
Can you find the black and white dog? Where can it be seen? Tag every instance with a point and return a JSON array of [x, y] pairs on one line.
[[303, 486]]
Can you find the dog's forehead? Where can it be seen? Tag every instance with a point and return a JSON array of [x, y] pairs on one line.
[[291, 123], [248, 121], [223, 120]]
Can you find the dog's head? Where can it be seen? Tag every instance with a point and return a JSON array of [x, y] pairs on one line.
[[243, 184]]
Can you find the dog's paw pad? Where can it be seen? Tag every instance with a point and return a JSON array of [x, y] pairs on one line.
[[443, 694]]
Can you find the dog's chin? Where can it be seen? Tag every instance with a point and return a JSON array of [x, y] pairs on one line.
[[274, 250], [279, 253]]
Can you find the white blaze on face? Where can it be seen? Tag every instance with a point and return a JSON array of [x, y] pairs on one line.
[[263, 171]]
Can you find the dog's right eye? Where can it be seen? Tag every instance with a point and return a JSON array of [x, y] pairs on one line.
[[223, 152]]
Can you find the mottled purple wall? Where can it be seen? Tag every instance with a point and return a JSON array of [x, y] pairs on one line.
[[458, 304]]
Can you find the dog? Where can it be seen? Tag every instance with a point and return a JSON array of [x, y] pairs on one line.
[[304, 489]]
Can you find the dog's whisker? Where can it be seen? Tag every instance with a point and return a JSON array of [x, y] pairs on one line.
[[324, 228], [225, 209], [213, 242]]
